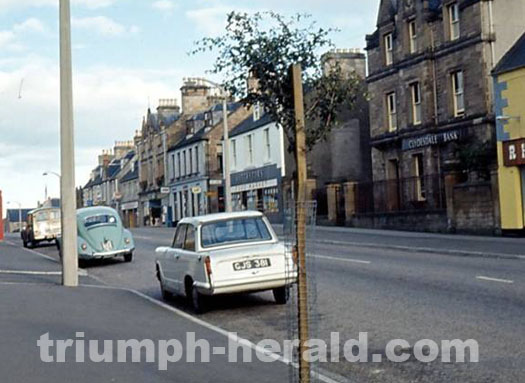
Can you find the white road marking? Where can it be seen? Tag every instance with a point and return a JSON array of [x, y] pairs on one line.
[[232, 336], [351, 260], [489, 279], [82, 273]]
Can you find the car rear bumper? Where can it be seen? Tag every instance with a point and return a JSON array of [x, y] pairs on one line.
[[245, 285]]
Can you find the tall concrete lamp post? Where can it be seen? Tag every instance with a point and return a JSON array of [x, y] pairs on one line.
[[67, 153]]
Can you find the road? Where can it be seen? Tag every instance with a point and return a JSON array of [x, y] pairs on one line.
[[392, 285]]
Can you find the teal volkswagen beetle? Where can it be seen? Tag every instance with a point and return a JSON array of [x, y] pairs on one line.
[[102, 235]]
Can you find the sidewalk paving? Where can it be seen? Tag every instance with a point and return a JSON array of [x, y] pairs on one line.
[[35, 304]]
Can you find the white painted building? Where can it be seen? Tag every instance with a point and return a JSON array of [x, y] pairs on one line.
[[258, 165]]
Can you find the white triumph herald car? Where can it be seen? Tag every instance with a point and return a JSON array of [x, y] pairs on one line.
[[225, 253]]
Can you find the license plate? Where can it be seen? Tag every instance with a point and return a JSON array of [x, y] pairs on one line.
[[107, 245], [251, 264]]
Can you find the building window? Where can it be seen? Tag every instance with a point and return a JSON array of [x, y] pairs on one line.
[[190, 155], [249, 149], [458, 93], [389, 49], [391, 111], [219, 158], [184, 167], [268, 152], [416, 103], [196, 160], [419, 178], [234, 153], [453, 16], [256, 111], [412, 36], [178, 173], [172, 173]]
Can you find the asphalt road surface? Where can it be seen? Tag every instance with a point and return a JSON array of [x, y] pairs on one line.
[[392, 285]]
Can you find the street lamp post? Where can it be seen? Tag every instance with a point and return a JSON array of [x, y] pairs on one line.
[[226, 148], [19, 213], [48, 173], [67, 153]]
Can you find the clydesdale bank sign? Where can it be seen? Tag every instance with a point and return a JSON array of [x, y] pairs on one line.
[[430, 140]]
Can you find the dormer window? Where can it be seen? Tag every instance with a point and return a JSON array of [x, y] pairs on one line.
[[256, 111]]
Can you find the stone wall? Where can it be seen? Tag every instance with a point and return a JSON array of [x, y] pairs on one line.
[[474, 208], [435, 222]]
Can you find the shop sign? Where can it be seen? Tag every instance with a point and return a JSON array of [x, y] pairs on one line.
[[196, 190], [164, 190], [255, 175], [130, 205], [254, 186], [431, 139], [514, 152]]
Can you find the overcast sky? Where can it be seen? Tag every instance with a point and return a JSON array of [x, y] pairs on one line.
[[126, 55]]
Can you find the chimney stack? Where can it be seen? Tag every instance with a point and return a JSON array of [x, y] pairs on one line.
[[350, 60]]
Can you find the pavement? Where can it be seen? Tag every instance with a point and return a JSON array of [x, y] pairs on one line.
[[34, 304]]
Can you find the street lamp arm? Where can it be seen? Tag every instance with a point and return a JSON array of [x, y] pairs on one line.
[[51, 172]]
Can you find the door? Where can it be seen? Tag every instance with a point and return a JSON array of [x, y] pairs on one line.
[[392, 186], [170, 266], [190, 262]]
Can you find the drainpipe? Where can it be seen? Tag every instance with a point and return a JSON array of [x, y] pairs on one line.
[[492, 34]]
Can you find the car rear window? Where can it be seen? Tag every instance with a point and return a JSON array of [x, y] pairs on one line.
[[234, 231], [103, 219]]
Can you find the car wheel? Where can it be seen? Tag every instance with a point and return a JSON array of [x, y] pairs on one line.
[[281, 295], [196, 299], [128, 257], [166, 295]]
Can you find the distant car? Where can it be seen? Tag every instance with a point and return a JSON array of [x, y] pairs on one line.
[[102, 235], [43, 224], [225, 253]]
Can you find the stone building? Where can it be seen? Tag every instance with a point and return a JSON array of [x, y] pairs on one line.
[[195, 163], [151, 145], [160, 131], [344, 157], [102, 187], [431, 114]]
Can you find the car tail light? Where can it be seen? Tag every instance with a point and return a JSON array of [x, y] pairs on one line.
[[207, 263], [295, 255]]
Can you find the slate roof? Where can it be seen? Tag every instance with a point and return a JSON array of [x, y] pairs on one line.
[[131, 175], [249, 124], [113, 170], [200, 135], [513, 59]]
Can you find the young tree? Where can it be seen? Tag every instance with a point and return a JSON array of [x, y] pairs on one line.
[[263, 46]]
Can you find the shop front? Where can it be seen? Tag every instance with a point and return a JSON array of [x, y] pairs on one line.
[[129, 212], [259, 189]]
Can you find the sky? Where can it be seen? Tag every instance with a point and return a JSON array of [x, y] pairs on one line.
[[127, 54]]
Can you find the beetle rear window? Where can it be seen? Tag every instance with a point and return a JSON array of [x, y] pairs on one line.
[[104, 219], [234, 231]]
